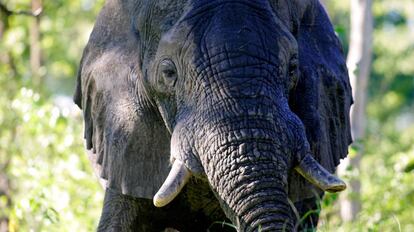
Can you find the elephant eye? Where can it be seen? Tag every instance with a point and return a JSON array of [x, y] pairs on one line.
[[168, 72], [293, 71], [293, 66]]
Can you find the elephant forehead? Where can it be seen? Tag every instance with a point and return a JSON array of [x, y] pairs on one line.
[[228, 31]]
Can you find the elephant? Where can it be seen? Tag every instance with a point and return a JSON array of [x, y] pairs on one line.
[[204, 113]]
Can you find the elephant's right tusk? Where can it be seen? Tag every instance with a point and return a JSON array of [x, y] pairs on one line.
[[177, 178], [319, 176]]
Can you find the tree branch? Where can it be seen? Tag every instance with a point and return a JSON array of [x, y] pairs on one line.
[[8, 12]]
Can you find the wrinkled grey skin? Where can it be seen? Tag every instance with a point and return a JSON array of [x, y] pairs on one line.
[[237, 90]]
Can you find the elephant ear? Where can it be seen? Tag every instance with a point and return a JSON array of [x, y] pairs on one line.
[[124, 132], [322, 96]]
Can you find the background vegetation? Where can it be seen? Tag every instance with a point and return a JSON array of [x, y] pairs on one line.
[[387, 164], [46, 183]]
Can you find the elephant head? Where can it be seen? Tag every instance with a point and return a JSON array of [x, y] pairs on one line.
[[249, 95]]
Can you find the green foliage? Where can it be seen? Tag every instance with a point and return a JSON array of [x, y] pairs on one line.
[[387, 164], [65, 27], [52, 187]]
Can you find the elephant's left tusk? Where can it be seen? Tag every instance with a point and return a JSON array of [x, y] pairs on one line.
[[319, 176], [177, 178]]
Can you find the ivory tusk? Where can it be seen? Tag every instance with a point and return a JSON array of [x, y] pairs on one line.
[[319, 176], [172, 186]]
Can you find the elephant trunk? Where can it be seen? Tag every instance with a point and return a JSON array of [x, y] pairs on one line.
[[248, 170]]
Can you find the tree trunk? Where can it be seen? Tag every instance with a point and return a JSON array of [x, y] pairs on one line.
[[359, 66], [35, 49]]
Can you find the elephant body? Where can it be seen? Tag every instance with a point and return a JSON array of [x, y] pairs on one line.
[[192, 210], [199, 112], [195, 209]]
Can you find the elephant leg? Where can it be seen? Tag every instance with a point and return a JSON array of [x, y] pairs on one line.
[[126, 213], [123, 213], [308, 210]]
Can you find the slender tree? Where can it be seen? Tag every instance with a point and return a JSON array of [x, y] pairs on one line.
[[359, 66], [35, 49]]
